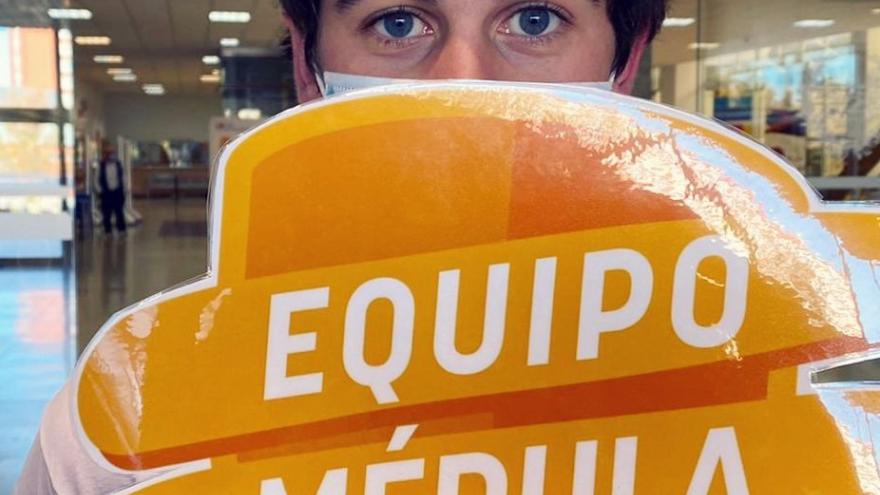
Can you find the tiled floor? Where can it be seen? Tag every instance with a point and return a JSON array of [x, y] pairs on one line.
[[38, 344], [36, 355]]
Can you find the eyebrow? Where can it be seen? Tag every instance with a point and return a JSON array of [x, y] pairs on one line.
[[344, 5]]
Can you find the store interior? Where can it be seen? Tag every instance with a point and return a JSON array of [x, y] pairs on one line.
[[169, 83]]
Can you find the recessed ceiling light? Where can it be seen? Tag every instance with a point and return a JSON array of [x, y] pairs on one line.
[[229, 16], [703, 45], [229, 42], [109, 59], [814, 23], [678, 21], [125, 77], [115, 71], [92, 40], [875, 11], [250, 114], [154, 89], [210, 78], [73, 14], [210, 60]]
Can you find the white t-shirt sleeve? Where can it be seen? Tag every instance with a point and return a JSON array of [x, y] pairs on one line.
[[58, 463]]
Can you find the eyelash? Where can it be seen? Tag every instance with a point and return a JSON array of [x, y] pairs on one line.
[[540, 39], [367, 26]]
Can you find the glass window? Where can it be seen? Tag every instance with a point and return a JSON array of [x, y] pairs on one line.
[[28, 74], [30, 153], [800, 77]]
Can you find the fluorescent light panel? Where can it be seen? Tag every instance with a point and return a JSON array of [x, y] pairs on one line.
[[210, 78], [814, 23], [704, 45], [678, 21], [72, 14], [109, 59], [154, 89], [229, 42], [250, 114], [229, 16], [125, 78], [115, 71], [92, 40], [210, 60]]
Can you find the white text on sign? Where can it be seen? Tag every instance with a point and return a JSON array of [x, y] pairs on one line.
[[594, 320]]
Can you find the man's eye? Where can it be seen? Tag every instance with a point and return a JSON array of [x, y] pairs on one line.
[[400, 25], [533, 21]]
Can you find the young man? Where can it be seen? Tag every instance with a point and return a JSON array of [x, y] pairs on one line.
[[550, 41], [509, 40]]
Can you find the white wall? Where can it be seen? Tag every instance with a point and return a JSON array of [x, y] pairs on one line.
[[157, 118], [89, 109]]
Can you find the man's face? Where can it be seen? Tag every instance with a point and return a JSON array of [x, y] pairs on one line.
[[511, 40]]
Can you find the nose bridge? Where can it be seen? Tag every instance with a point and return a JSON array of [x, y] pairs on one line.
[[463, 56]]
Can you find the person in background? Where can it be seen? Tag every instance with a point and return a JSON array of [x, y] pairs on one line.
[[112, 189]]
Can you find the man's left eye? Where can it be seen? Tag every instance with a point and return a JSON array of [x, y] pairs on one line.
[[400, 25], [533, 21]]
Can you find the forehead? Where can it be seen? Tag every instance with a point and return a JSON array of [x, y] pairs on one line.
[[343, 6]]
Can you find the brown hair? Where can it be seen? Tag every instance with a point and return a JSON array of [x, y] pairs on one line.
[[629, 18]]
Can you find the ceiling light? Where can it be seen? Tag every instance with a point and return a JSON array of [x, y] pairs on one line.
[[678, 21], [229, 16], [210, 78], [814, 23], [108, 59], [875, 11], [154, 89], [250, 114], [73, 14], [211, 60], [703, 45], [92, 40], [229, 42], [115, 71], [125, 77]]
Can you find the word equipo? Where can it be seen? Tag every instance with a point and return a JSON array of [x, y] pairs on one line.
[[720, 451], [594, 320]]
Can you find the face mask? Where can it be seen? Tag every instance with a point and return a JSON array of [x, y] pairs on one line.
[[335, 83]]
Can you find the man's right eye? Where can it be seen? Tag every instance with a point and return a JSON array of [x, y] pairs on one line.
[[400, 25]]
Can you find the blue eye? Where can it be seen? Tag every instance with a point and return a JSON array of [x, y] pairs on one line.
[[400, 25], [533, 21]]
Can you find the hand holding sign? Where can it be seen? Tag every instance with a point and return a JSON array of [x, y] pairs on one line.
[[499, 289]]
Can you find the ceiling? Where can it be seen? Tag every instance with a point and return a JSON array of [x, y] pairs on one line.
[[163, 41], [741, 25]]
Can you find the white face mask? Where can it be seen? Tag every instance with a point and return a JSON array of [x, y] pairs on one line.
[[335, 83]]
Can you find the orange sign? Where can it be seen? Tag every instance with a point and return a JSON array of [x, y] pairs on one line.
[[499, 289]]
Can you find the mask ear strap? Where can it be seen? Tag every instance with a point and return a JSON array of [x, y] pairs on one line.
[[319, 79]]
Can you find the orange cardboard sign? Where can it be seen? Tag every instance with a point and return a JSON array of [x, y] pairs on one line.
[[458, 288]]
